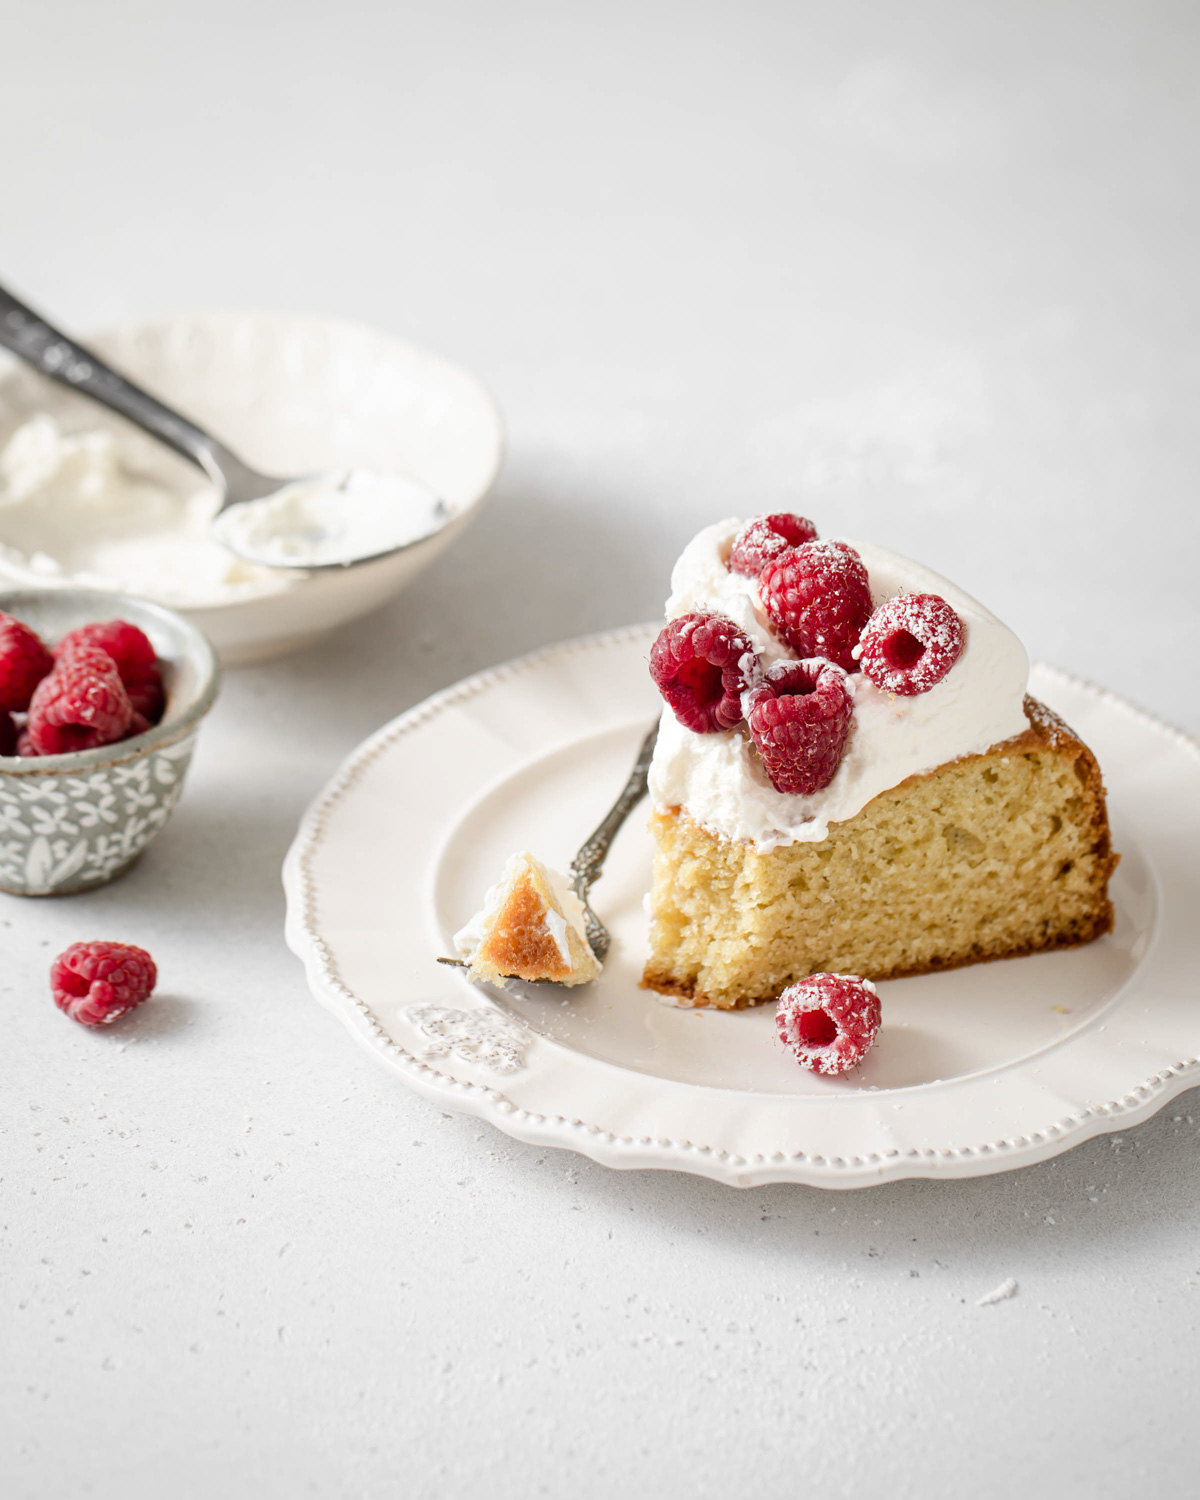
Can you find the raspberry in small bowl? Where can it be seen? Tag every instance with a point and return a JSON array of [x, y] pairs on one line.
[[93, 780]]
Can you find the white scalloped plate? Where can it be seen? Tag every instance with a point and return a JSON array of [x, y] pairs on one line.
[[975, 1071]]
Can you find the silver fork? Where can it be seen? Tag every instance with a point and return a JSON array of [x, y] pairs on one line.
[[588, 863]]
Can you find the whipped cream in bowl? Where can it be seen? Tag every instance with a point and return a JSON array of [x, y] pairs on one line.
[[105, 507], [719, 781], [86, 500]]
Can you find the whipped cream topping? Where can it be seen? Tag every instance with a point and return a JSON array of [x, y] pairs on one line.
[[717, 778], [108, 508]]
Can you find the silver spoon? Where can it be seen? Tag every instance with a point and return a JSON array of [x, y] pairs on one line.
[[588, 863], [27, 335]]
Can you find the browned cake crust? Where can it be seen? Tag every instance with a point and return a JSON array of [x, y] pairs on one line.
[[992, 856], [519, 943]]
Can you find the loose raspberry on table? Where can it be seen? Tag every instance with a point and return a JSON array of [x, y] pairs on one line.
[[24, 661], [818, 600], [134, 655], [799, 716], [765, 537], [829, 1021], [910, 643], [8, 735], [97, 982], [702, 664], [81, 705]]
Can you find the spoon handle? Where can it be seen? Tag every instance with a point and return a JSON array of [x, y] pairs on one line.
[[51, 352]]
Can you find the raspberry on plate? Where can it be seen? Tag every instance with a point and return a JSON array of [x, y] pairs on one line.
[[97, 982], [910, 643], [81, 705], [24, 661], [765, 537], [702, 664], [799, 715], [828, 1021], [135, 658], [818, 600]]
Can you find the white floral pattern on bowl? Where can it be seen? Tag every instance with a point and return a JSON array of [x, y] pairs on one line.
[[72, 822]]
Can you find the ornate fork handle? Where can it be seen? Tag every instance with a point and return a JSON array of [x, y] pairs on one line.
[[589, 862]]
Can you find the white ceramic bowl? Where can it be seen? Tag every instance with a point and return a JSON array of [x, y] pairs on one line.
[[293, 395]]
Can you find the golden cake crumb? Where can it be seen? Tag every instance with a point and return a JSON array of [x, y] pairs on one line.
[[990, 856]]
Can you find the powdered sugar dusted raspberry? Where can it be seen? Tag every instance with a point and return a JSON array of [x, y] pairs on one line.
[[719, 780], [799, 716], [702, 664], [24, 661], [765, 537], [829, 1021], [81, 705], [910, 643], [97, 982], [132, 651], [818, 600], [836, 549]]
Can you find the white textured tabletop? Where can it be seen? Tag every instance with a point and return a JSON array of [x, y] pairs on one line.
[[927, 272]]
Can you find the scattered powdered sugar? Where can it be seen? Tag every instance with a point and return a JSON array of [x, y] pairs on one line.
[[1048, 723], [1002, 1293]]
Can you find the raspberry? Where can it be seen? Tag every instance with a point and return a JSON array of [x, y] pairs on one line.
[[128, 646], [134, 655], [8, 735], [81, 705], [146, 695], [701, 665], [800, 716], [25, 746], [24, 661], [818, 600], [910, 643], [97, 982], [828, 1020], [765, 537]]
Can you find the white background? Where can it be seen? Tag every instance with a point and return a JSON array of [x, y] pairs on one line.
[[927, 272]]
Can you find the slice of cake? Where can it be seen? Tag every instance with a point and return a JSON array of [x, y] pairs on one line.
[[850, 776], [531, 927]]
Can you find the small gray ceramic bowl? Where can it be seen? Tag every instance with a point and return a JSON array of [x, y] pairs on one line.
[[71, 822]]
